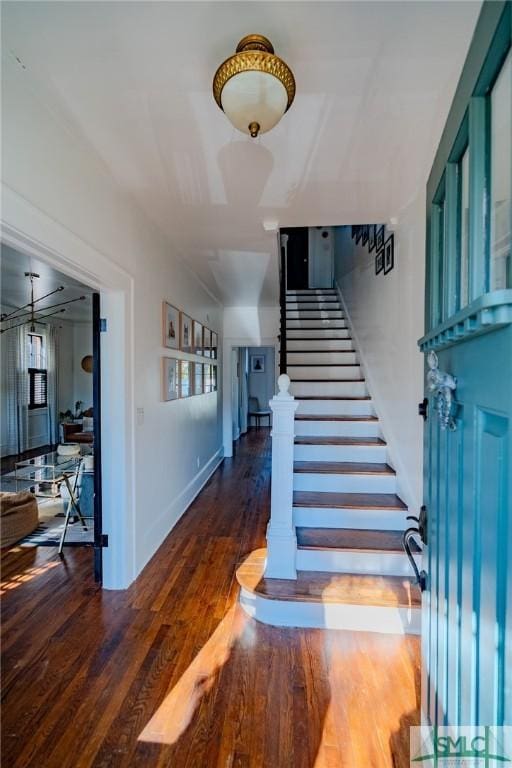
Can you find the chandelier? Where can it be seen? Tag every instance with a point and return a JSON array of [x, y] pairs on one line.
[[32, 314], [254, 88]]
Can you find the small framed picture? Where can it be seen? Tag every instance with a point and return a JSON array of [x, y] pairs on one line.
[[198, 338], [208, 377], [215, 371], [359, 234], [207, 342], [365, 234], [170, 326], [198, 379], [185, 378], [389, 254], [169, 379], [215, 342], [379, 237], [354, 231], [379, 261], [186, 333], [257, 363], [371, 238]]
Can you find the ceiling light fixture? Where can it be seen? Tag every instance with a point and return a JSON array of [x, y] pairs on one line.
[[254, 87], [30, 312]]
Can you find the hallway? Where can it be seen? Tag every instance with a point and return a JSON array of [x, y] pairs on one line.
[[173, 673]]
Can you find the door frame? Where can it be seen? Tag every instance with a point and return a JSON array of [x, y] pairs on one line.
[[29, 230]]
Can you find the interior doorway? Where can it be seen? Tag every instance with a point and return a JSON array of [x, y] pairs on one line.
[[253, 386], [50, 408]]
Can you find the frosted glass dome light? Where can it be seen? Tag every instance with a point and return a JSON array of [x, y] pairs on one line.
[[254, 88]]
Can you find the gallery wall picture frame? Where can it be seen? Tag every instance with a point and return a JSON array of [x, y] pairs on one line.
[[186, 331], [215, 372], [208, 377], [379, 261], [359, 234], [170, 387], [379, 237], [257, 363], [353, 231], [215, 344], [389, 254], [207, 342], [170, 326], [365, 234], [198, 338], [198, 379], [371, 238], [185, 378]]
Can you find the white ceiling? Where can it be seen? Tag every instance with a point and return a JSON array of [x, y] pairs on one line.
[[15, 287], [374, 84]]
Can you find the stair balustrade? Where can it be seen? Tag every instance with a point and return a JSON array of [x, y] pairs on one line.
[[281, 536]]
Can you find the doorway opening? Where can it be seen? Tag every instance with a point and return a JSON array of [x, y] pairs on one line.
[[253, 385], [50, 479]]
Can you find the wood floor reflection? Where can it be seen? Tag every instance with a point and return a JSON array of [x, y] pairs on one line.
[[172, 673]]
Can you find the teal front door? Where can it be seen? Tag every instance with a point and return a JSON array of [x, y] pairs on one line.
[[467, 606]]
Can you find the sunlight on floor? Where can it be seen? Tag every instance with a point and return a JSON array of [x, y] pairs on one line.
[[27, 575], [176, 711]]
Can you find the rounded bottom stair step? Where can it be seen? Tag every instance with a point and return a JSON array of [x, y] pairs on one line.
[[356, 602]]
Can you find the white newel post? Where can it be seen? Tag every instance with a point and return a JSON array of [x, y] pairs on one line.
[[281, 538]]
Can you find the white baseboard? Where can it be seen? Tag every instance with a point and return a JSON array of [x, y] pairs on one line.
[[166, 521]]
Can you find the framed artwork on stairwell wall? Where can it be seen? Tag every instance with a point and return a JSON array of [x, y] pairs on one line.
[[186, 333], [359, 234], [207, 342], [389, 254], [371, 238], [379, 261], [365, 234], [170, 326], [198, 379], [215, 343], [379, 237]]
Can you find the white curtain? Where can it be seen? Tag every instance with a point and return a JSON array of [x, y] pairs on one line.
[[17, 394], [52, 367]]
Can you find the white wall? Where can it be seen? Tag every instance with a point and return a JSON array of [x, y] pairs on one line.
[[321, 257], [59, 197], [386, 312]]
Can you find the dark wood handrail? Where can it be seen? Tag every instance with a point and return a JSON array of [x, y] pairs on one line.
[[282, 301]]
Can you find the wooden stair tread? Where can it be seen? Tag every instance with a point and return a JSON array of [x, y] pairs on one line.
[[322, 417], [343, 467], [323, 381], [333, 397], [333, 499], [351, 538], [319, 352], [321, 587], [321, 365], [337, 440]]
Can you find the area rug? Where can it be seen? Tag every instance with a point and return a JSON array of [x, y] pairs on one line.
[[51, 525]]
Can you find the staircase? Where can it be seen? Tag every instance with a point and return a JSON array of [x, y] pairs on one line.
[[352, 570]]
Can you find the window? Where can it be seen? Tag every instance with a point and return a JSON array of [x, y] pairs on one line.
[[37, 373], [464, 229], [501, 179]]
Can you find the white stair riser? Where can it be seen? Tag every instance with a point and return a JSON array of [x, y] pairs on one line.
[[344, 483], [312, 305], [324, 372], [325, 324], [323, 335], [337, 428], [323, 358], [354, 618], [320, 345], [308, 314], [336, 407], [336, 388], [314, 293], [367, 453], [358, 519], [353, 561]]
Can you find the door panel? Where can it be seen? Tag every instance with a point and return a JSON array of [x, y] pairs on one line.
[[467, 607], [297, 264]]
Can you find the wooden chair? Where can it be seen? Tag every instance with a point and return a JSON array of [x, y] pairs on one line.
[[258, 413]]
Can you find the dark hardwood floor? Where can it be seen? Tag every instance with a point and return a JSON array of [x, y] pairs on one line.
[[173, 673]]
